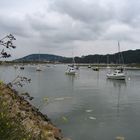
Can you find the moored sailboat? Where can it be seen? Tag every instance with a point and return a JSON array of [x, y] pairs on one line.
[[118, 73], [71, 69], [39, 68]]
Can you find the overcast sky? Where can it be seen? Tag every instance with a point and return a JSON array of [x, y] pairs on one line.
[[71, 27]]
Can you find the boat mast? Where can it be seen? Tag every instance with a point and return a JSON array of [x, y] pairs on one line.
[[39, 57], [73, 60], [121, 60], [107, 59]]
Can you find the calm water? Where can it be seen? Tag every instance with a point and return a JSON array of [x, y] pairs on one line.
[[87, 106]]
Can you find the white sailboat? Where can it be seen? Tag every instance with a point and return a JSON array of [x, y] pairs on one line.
[[39, 68], [119, 72], [89, 66], [71, 69]]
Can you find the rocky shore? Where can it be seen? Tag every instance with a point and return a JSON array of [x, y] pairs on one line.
[[33, 121]]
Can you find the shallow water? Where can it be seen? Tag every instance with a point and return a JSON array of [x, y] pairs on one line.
[[85, 106]]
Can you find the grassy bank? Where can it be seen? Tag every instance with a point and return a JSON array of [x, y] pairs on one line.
[[10, 128], [19, 120]]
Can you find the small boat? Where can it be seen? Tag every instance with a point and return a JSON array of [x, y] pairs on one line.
[[22, 67], [95, 68], [47, 65], [15, 66], [117, 74], [70, 70], [89, 66], [76, 67], [38, 68]]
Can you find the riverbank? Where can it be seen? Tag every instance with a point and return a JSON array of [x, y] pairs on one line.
[[101, 65], [29, 118]]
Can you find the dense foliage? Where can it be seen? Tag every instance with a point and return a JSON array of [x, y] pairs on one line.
[[127, 58]]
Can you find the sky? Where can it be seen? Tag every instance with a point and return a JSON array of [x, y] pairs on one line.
[[70, 27]]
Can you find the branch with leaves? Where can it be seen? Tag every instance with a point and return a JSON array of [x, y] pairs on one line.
[[7, 43]]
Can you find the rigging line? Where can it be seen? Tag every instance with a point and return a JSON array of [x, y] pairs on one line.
[[121, 59]]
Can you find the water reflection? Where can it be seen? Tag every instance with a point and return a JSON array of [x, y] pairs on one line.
[[117, 83], [97, 74], [82, 98], [71, 79], [118, 87]]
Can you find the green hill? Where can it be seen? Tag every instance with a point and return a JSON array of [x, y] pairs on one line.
[[129, 57], [41, 57]]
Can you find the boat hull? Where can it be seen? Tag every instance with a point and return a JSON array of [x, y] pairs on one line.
[[39, 68], [70, 72], [116, 77]]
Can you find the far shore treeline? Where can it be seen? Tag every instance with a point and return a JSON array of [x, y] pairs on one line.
[[129, 57]]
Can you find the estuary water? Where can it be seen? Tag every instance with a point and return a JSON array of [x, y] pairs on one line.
[[86, 106]]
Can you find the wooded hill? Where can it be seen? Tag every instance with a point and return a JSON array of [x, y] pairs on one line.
[[127, 57]]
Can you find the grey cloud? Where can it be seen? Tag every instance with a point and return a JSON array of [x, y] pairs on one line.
[[130, 11], [98, 16], [66, 31], [39, 23], [13, 25], [60, 23], [83, 11]]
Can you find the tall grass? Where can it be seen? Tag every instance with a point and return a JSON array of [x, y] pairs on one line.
[[10, 128]]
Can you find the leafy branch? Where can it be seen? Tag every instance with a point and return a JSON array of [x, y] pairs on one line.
[[7, 43]]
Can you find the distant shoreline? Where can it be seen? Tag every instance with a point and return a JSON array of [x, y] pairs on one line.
[[102, 65]]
